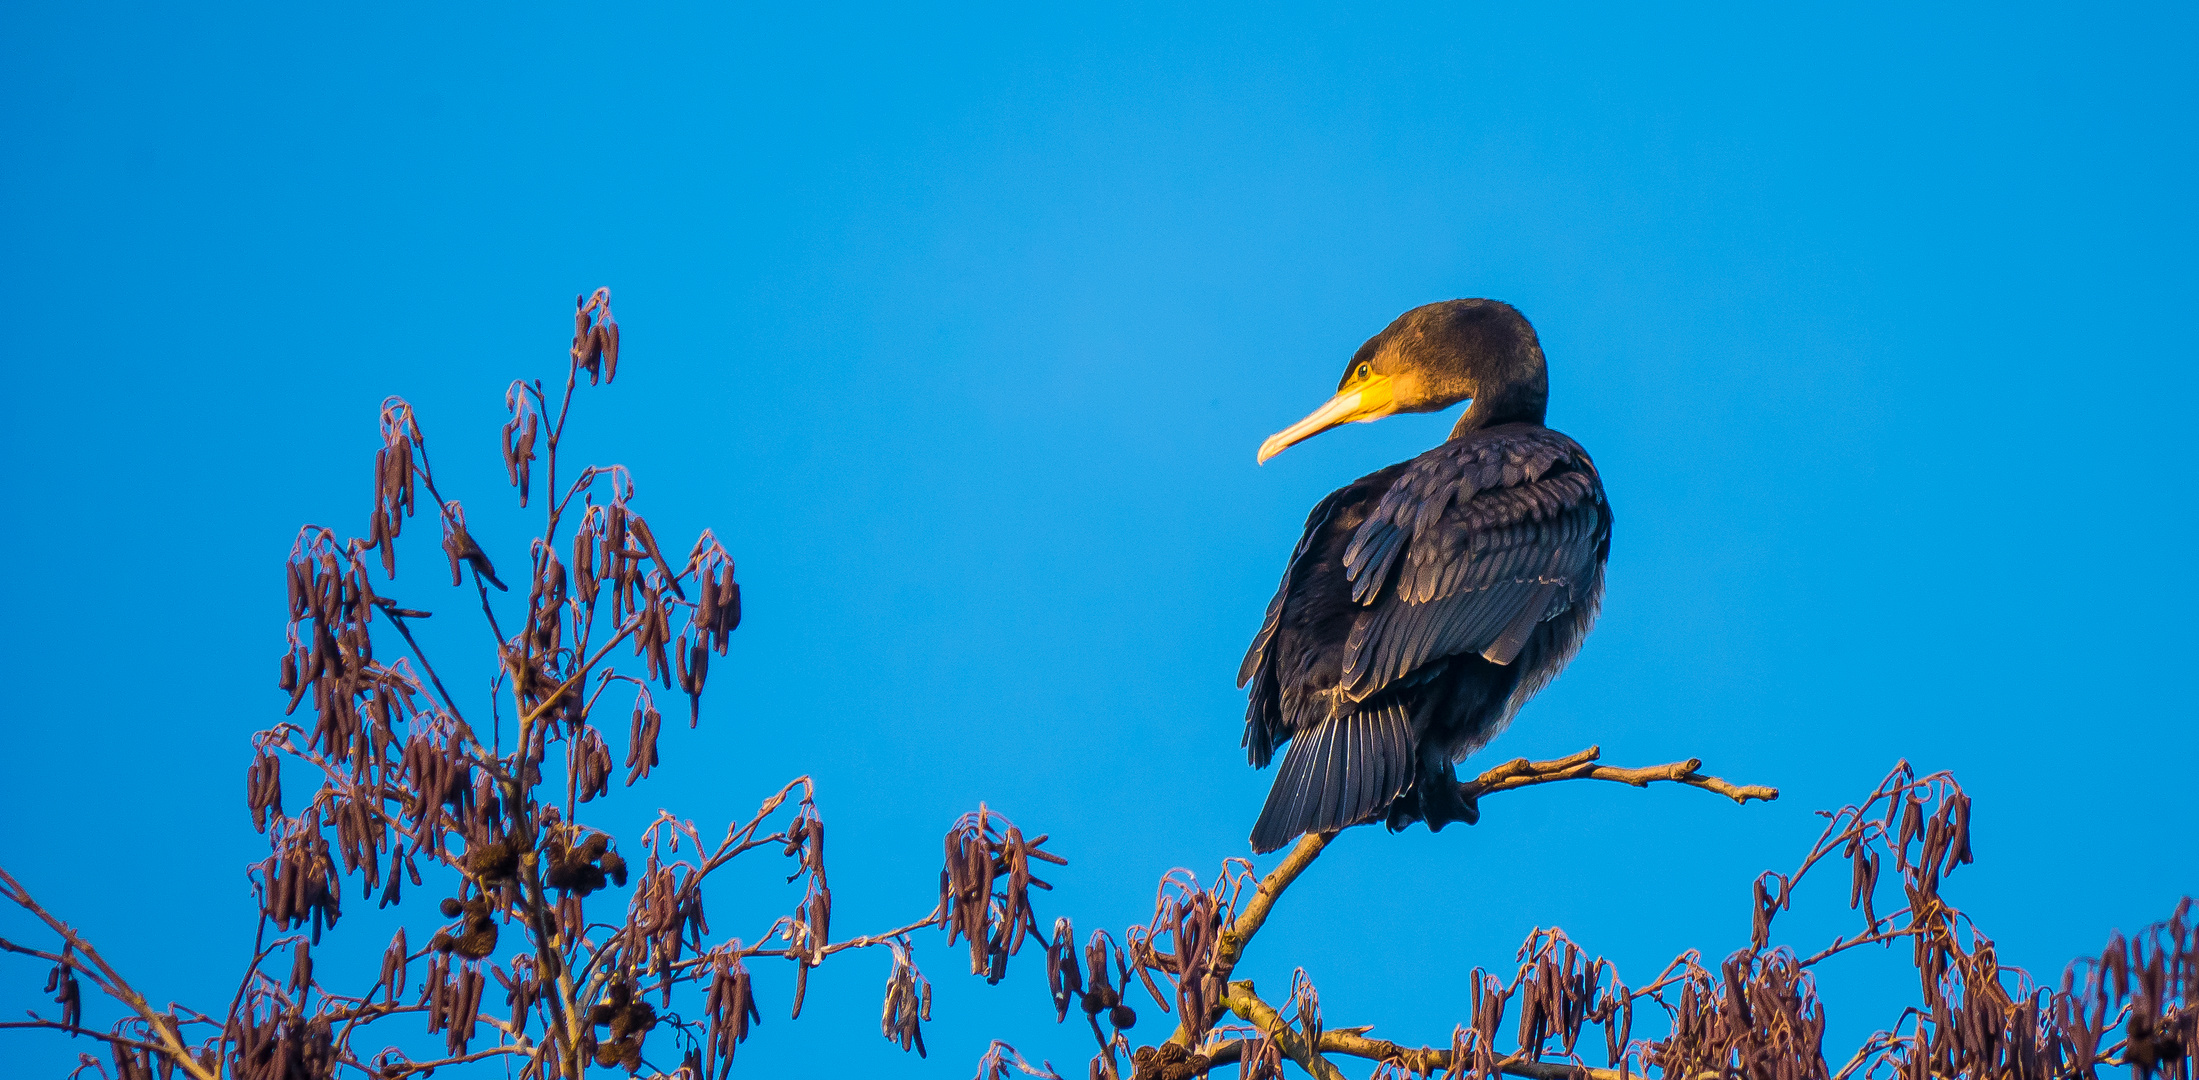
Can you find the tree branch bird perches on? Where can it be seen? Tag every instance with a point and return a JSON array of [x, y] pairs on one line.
[[1426, 602]]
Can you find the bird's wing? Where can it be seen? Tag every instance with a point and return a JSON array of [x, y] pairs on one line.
[[1263, 712], [1255, 655], [1475, 543]]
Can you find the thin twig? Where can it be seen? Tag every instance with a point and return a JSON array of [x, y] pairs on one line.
[[389, 608], [74, 1029], [1840, 945], [1521, 772], [109, 981]]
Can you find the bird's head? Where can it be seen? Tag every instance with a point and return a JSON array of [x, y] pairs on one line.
[[1432, 358]]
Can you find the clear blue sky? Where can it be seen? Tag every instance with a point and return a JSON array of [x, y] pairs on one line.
[[961, 328]]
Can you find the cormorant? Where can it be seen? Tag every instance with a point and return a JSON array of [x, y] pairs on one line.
[[1428, 601]]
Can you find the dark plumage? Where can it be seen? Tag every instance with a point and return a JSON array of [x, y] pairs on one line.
[[1428, 601]]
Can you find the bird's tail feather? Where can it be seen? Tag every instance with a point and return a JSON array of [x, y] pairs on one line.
[[1347, 770]]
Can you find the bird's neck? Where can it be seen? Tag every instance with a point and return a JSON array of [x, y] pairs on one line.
[[1518, 403]]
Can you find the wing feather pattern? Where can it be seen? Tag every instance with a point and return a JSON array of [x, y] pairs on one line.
[[1315, 521], [1479, 541], [1264, 720], [1346, 771]]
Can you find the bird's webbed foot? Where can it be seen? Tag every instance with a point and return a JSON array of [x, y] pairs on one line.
[[1441, 801], [1465, 808]]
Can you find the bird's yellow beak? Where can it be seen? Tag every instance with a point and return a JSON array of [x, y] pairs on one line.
[[1370, 399]]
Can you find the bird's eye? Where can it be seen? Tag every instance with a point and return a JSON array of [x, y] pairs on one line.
[[1364, 371]]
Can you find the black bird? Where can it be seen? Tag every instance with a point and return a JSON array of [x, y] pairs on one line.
[[1428, 601]]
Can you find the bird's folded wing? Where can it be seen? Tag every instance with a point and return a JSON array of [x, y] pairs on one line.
[[1264, 707], [1477, 579], [1314, 523]]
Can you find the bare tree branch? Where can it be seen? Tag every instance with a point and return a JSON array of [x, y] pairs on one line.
[[109, 981], [1520, 772], [1243, 1000]]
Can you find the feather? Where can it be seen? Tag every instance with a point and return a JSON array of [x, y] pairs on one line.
[[1506, 647], [1345, 772]]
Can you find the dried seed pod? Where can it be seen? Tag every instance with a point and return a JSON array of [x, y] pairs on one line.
[[614, 535], [553, 577], [1064, 978], [641, 743], [591, 765], [68, 995], [301, 968], [585, 578], [649, 545], [394, 964], [520, 994], [729, 606], [706, 609], [699, 665], [609, 331], [436, 993], [587, 349], [467, 1010]]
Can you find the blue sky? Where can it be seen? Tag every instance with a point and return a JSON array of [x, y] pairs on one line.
[[961, 327]]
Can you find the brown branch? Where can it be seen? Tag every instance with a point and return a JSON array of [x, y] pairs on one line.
[[73, 1029], [1841, 945], [1520, 772], [1517, 773], [412, 1068], [261, 950], [562, 1028], [389, 608], [566, 687], [867, 941], [1255, 913], [555, 434], [1243, 1000], [366, 1011], [1877, 1044], [109, 981], [1426, 1061]]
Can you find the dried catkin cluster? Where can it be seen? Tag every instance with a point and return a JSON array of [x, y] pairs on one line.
[[729, 1009], [298, 881], [1189, 920], [985, 850], [488, 800], [908, 1001], [595, 336]]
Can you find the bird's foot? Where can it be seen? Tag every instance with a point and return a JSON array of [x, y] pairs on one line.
[[1450, 805]]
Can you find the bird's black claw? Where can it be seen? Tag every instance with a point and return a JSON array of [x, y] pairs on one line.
[[1404, 812]]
